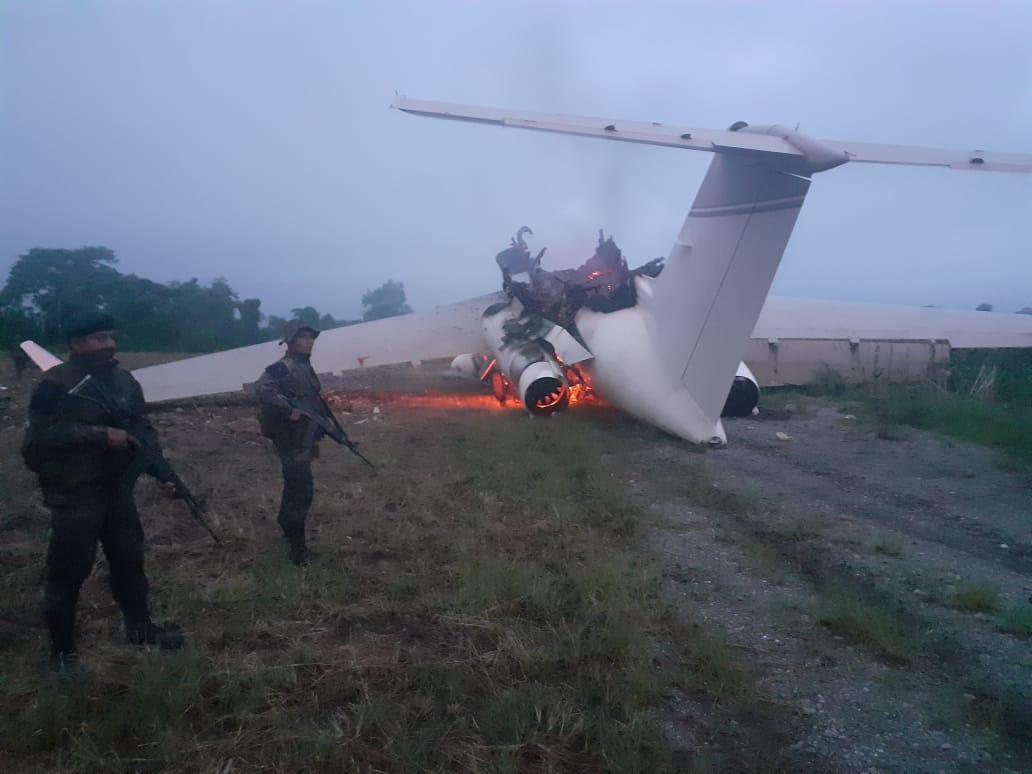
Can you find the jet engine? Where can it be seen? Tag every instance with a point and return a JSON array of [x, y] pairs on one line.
[[526, 359], [744, 395]]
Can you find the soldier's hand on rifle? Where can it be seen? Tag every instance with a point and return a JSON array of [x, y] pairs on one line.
[[294, 415], [117, 438]]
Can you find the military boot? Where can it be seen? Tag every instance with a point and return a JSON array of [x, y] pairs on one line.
[[148, 633], [64, 660], [64, 665], [299, 552]]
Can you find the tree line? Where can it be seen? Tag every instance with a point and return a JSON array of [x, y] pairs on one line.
[[47, 285]]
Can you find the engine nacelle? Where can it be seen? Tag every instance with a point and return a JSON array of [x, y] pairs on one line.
[[744, 395], [528, 363]]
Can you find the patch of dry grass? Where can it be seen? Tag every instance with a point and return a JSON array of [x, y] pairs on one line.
[[1016, 619], [976, 597], [479, 605]]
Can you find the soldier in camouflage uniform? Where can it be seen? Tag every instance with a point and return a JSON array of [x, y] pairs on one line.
[[84, 441], [286, 385], [20, 359]]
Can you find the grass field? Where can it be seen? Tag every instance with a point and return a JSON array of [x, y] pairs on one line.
[[480, 603], [488, 600], [986, 399]]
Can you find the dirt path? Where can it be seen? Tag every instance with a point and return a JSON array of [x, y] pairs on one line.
[[833, 524], [922, 487]]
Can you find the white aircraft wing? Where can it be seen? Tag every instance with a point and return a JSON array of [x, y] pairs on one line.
[[444, 332], [799, 318], [715, 139], [43, 359]]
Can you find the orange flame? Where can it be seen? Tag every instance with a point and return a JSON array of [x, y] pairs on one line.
[[364, 402], [552, 399], [580, 392]]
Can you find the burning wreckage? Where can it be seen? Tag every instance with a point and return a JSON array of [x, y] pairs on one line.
[[538, 355]]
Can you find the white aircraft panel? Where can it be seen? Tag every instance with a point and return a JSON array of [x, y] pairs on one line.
[[806, 361], [441, 333], [625, 131], [974, 160], [43, 359], [719, 272], [693, 138], [797, 318]]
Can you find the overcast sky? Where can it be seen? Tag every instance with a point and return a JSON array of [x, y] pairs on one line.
[[253, 140]]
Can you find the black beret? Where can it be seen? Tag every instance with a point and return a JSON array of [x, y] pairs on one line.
[[85, 323]]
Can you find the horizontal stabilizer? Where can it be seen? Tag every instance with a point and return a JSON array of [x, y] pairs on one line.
[[625, 131], [713, 139], [972, 160]]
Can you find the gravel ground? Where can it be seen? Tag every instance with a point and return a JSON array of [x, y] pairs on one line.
[[910, 522]]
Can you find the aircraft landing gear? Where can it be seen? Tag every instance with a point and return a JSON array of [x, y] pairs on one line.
[[499, 386]]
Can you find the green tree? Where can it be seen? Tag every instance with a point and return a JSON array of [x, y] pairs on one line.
[[984, 307], [17, 325], [56, 283], [306, 314], [273, 328], [206, 317], [388, 300], [46, 285], [250, 318], [145, 312]]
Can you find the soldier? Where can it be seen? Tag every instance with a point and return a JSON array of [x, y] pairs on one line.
[[20, 359], [84, 440], [287, 390]]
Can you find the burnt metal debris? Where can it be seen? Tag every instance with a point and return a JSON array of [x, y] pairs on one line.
[[603, 283]]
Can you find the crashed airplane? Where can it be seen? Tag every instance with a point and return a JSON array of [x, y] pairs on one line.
[[535, 343], [667, 349]]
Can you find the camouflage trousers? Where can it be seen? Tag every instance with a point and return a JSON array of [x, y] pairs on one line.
[[298, 489], [75, 532]]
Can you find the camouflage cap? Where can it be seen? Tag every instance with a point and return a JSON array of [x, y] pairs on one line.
[[294, 327], [85, 323]]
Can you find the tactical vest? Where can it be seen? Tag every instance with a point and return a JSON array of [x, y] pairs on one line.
[[295, 380], [64, 444]]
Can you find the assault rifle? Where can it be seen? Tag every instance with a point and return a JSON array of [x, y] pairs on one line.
[[319, 425], [147, 451]]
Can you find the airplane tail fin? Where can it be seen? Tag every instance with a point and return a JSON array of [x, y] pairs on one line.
[[707, 300]]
